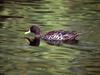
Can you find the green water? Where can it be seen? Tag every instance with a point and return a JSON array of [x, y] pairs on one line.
[[18, 58]]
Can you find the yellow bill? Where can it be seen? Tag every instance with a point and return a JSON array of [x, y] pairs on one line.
[[27, 32]]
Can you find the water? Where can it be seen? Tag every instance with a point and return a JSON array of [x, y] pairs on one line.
[[18, 58]]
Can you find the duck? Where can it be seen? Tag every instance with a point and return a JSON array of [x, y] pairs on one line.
[[55, 37]]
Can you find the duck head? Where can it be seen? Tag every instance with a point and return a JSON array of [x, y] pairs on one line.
[[34, 29]]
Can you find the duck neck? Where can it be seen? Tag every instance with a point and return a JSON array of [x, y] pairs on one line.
[[33, 42], [37, 35]]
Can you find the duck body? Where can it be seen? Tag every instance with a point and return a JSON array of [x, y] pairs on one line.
[[59, 37], [53, 37]]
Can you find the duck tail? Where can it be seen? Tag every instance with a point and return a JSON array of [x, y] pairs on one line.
[[34, 42]]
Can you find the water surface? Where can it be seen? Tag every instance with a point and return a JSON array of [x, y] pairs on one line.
[[18, 58]]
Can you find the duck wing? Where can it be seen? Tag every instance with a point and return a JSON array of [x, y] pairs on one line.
[[53, 35], [70, 35]]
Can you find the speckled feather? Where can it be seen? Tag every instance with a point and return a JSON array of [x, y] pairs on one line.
[[58, 37]]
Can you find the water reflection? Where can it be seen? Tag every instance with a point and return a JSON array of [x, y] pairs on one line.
[[18, 58]]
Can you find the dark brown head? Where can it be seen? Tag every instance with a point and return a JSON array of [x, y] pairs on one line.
[[34, 29]]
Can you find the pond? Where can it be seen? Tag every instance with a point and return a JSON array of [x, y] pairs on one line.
[[18, 58]]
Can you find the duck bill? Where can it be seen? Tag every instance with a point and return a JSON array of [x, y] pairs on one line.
[[27, 32]]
